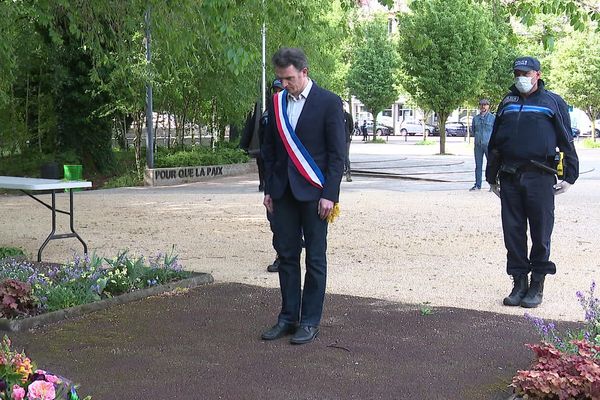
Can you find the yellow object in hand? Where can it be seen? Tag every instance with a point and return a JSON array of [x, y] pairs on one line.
[[335, 212]]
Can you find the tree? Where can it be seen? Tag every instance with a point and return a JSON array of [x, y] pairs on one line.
[[447, 62], [373, 75], [84, 62], [576, 72], [578, 13]]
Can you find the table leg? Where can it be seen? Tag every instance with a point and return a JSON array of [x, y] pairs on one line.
[[85, 250], [51, 235]]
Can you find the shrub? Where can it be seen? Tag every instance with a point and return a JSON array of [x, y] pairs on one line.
[[83, 280], [560, 375], [128, 179], [200, 156], [16, 298], [11, 252], [567, 366]]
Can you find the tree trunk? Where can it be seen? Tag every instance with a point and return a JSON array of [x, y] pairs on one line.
[[27, 106], [39, 112], [442, 128], [374, 114], [469, 126], [137, 143], [169, 130]]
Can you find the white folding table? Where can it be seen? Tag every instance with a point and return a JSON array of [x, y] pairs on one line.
[[27, 185]]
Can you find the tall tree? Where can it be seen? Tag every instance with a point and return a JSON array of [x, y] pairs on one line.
[[373, 75], [446, 62], [576, 72]]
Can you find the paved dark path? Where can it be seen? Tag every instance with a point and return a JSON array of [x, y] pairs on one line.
[[205, 344]]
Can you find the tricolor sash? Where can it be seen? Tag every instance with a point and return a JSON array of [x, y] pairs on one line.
[[296, 151]]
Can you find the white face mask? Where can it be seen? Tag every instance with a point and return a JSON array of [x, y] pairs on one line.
[[523, 84]]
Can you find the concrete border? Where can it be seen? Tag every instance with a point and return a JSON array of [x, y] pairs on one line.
[[18, 325], [179, 175]]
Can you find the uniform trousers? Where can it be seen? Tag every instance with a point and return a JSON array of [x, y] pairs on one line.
[[527, 198]]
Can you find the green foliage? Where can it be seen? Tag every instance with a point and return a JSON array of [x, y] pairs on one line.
[[11, 252], [373, 75], [445, 53], [425, 309], [128, 179], [199, 156], [575, 73], [83, 280], [70, 69], [589, 143], [578, 14], [30, 164], [425, 143]]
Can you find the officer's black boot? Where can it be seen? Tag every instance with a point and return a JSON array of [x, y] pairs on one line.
[[535, 294], [518, 292]]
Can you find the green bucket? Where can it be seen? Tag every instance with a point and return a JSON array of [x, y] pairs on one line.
[[73, 173]]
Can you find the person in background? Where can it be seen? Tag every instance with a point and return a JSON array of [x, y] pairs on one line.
[[276, 87], [364, 131], [349, 124], [482, 130]]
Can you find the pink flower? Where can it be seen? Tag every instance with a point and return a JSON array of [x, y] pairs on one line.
[[53, 379], [18, 393], [41, 390]]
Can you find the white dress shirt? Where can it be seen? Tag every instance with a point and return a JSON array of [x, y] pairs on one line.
[[295, 105]]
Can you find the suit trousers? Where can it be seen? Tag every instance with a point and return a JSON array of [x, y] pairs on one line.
[[527, 197], [291, 219]]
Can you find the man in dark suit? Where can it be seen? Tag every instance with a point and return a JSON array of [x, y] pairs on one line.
[[308, 124]]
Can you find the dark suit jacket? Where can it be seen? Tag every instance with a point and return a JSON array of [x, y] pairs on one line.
[[320, 128]]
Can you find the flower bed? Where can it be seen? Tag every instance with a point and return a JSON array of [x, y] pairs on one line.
[[34, 292], [20, 379], [566, 366]]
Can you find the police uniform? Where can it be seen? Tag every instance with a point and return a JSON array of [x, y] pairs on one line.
[[522, 148]]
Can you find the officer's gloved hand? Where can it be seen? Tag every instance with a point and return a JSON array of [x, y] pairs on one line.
[[495, 189], [561, 187]]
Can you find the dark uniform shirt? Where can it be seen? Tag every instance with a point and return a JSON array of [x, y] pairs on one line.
[[531, 128]]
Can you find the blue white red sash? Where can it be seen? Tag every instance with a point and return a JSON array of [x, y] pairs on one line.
[[296, 151]]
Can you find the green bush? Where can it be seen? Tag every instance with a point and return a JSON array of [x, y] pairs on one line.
[[85, 280], [128, 179], [199, 157], [30, 164], [589, 143], [11, 252]]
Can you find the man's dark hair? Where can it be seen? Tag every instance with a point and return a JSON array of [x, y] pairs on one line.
[[286, 56]]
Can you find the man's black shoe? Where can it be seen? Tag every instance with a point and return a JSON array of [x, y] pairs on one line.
[[305, 334], [535, 294], [279, 330], [275, 266], [518, 292]]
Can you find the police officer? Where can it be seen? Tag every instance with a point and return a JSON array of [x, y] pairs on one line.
[[531, 123]]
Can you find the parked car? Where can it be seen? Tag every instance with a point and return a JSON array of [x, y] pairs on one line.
[[381, 130], [587, 130], [575, 131], [415, 128], [456, 128]]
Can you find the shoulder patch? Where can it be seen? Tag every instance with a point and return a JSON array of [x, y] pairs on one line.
[[510, 99]]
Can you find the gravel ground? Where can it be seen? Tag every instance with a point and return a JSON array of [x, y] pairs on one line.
[[404, 241]]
